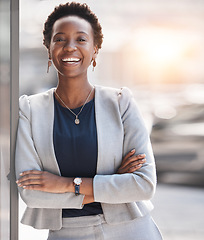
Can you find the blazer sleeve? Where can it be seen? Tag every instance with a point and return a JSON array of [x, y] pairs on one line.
[[129, 187], [27, 158]]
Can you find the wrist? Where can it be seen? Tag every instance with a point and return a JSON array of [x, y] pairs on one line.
[[68, 184], [77, 183]]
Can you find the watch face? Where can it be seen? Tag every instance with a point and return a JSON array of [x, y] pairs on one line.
[[77, 181]]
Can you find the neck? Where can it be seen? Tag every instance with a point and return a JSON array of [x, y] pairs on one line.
[[74, 92]]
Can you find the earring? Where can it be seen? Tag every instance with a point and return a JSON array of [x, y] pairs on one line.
[[94, 64], [49, 65]]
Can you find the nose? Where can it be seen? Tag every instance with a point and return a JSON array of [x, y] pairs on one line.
[[70, 46]]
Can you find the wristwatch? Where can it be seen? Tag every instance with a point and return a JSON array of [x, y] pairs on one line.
[[77, 182]]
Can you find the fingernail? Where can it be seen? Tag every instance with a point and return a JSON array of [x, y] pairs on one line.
[[133, 150], [17, 181], [21, 174], [19, 185]]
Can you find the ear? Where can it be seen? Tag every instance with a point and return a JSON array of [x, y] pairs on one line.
[[95, 52]]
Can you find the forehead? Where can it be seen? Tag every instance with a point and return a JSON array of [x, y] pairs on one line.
[[72, 24]]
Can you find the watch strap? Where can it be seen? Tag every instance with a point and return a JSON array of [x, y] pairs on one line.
[[77, 187]]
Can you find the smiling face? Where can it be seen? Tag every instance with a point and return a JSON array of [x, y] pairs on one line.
[[72, 47]]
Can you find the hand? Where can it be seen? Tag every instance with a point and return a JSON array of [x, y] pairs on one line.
[[88, 199], [43, 181], [131, 162]]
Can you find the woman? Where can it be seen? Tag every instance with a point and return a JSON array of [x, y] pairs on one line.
[[76, 161]]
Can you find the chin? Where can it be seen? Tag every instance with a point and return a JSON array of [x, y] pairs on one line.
[[71, 74]]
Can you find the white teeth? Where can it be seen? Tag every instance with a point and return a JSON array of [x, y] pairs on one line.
[[70, 59]]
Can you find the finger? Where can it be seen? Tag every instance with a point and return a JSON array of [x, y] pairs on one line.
[[129, 154], [29, 177], [33, 187], [30, 182], [31, 172], [136, 157], [132, 165], [139, 156], [134, 168], [40, 187], [137, 162], [133, 159]]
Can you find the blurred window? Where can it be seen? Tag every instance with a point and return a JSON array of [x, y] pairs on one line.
[[8, 117]]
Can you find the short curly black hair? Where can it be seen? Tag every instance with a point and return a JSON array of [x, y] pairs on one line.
[[70, 9]]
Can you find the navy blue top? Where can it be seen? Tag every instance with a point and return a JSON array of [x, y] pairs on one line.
[[76, 149]]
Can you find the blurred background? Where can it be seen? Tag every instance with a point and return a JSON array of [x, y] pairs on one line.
[[156, 48]]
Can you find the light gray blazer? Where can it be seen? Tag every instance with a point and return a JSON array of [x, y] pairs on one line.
[[120, 128]]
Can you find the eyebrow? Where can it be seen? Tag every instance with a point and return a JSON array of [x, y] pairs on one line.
[[83, 32], [58, 33], [80, 32]]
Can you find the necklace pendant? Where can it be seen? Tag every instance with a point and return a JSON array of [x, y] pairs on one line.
[[76, 121]]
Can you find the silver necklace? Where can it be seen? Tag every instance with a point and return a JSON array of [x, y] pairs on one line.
[[77, 121]]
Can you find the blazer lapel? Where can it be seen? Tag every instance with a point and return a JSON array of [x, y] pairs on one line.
[[109, 130], [43, 121]]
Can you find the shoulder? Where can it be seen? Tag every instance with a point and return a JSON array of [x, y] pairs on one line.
[[123, 93], [39, 99], [119, 97]]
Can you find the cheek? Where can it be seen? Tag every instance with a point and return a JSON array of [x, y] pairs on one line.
[[53, 52], [54, 48], [90, 52], [55, 57]]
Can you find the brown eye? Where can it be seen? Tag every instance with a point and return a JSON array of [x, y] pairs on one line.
[[81, 39], [59, 40]]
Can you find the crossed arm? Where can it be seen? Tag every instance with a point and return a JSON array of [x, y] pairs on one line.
[[131, 182], [48, 182]]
